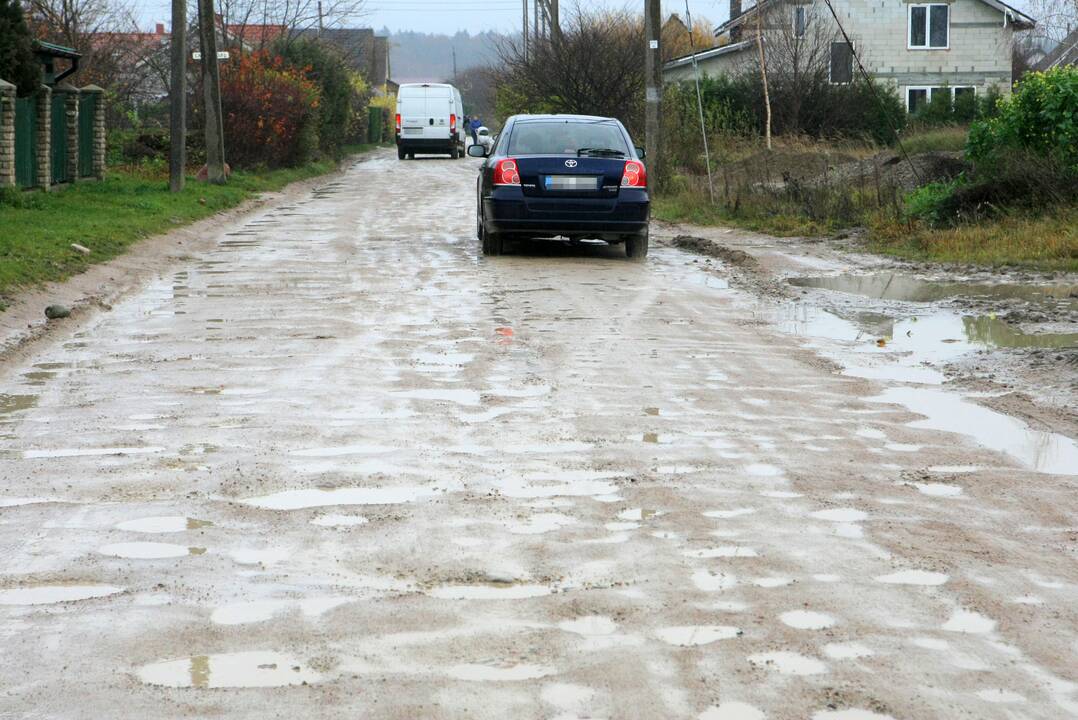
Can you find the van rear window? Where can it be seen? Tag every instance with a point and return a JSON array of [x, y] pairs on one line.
[[560, 137]]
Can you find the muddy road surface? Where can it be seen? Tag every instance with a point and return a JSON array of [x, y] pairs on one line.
[[337, 465]]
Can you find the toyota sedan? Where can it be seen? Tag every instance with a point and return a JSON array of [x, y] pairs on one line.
[[575, 177]]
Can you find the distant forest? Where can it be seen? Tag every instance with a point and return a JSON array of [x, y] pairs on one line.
[[423, 57]]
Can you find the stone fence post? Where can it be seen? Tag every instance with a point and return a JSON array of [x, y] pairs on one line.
[[43, 107], [7, 134], [71, 112], [99, 130]]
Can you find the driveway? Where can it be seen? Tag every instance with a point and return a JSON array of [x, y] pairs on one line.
[[339, 465]]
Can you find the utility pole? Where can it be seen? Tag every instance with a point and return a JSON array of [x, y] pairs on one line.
[[454, 64], [524, 37], [653, 77], [177, 152], [211, 94]]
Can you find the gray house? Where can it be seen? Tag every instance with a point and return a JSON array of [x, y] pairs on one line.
[[953, 46]]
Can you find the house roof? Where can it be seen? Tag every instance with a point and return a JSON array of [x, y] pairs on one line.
[[46, 48], [708, 54], [1066, 53], [1017, 17]]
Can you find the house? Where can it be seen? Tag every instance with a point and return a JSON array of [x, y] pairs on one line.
[[1065, 54], [921, 48], [364, 51]]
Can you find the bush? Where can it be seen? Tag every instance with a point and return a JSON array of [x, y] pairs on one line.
[[933, 203], [1040, 118], [270, 110], [340, 95], [17, 62]]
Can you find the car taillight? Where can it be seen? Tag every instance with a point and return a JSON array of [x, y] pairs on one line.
[[506, 173], [635, 175], [398, 122], [452, 123]]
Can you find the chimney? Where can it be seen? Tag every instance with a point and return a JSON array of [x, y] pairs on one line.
[[160, 29], [735, 8]]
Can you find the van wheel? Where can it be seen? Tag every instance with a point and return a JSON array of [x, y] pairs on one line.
[[636, 247], [400, 153], [454, 153], [411, 156]]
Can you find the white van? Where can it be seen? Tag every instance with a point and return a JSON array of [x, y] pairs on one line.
[[430, 119]]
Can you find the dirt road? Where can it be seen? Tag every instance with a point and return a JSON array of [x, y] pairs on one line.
[[338, 466]]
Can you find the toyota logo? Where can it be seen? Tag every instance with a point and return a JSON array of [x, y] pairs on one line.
[[570, 163]]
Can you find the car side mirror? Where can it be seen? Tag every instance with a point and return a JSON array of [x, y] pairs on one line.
[[640, 153], [477, 150]]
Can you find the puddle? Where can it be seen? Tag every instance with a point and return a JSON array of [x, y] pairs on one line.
[[913, 577], [1041, 451], [691, 635], [763, 470], [726, 551], [789, 663], [847, 651], [241, 669], [772, 582], [493, 591], [148, 550], [840, 515], [494, 673], [938, 489], [14, 403], [591, 625], [469, 398], [342, 451], [807, 620], [999, 695], [850, 714], [17, 501], [708, 581], [316, 497], [48, 594], [340, 520], [89, 452], [638, 514], [261, 610], [270, 556], [967, 621], [732, 711], [895, 286], [163, 524], [541, 523], [726, 514]]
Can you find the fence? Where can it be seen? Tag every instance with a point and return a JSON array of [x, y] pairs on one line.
[[54, 136]]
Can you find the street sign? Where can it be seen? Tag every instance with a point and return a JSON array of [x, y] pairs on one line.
[[222, 55]]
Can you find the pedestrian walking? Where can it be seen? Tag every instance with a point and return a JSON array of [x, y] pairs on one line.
[[476, 123]]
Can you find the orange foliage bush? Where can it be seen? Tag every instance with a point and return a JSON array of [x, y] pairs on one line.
[[270, 112]]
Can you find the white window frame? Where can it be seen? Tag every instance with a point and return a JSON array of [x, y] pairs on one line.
[[853, 62], [928, 26], [929, 89], [801, 10]]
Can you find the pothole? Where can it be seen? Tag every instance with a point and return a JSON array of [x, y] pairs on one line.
[[163, 524]]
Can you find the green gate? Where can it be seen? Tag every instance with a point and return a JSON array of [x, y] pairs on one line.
[[60, 171], [87, 108], [375, 125], [26, 142]]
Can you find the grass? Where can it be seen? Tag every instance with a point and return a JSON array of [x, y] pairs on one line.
[[110, 216], [941, 139], [1047, 241], [697, 209]]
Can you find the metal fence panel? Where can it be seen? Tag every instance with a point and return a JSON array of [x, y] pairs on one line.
[[60, 171], [87, 107], [25, 142]]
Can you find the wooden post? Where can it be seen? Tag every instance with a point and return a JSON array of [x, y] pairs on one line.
[[763, 74], [211, 94], [653, 75], [177, 95]]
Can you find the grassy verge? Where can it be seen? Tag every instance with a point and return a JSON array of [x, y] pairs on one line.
[[110, 216], [697, 209]]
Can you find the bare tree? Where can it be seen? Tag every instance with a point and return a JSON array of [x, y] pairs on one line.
[[1055, 18], [591, 67], [256, 23]]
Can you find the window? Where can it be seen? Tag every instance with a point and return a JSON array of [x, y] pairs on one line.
[[929, 27], [841, 63], [560, 137], [917, 98], [800, 21]]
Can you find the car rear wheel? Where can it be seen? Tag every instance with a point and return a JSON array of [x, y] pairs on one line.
[[491, 242], [636, 247]]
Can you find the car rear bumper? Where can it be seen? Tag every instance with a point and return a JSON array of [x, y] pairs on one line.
[[508, 210], [426, 144]]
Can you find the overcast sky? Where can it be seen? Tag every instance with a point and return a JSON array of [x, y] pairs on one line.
[[450, 16]]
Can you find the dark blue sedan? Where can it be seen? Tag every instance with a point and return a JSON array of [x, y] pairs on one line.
[[571, 176]]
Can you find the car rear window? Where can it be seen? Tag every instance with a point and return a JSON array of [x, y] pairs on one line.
[[564, 137]]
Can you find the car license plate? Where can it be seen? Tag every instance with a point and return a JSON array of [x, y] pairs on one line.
[[571, 182], [412, 131]]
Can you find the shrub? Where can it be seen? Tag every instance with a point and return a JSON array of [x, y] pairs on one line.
[[1040, 118], [339, 94], [270, 110]]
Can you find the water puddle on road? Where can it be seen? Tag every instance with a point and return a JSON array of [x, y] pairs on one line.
[[692, 635], [490, 591], [149, 550], [495, 673], [48, 594], [789, 663], [913, 577], [89, 452], [318, 497], [14, 403], [807, 620], [257, 611], [163, 524], [20, 501], [241, 670], [1042, 451], [896, 286]]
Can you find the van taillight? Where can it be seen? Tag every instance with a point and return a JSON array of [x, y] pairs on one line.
[[398, 122], [453, 123], [506, 173], [634, 175]]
